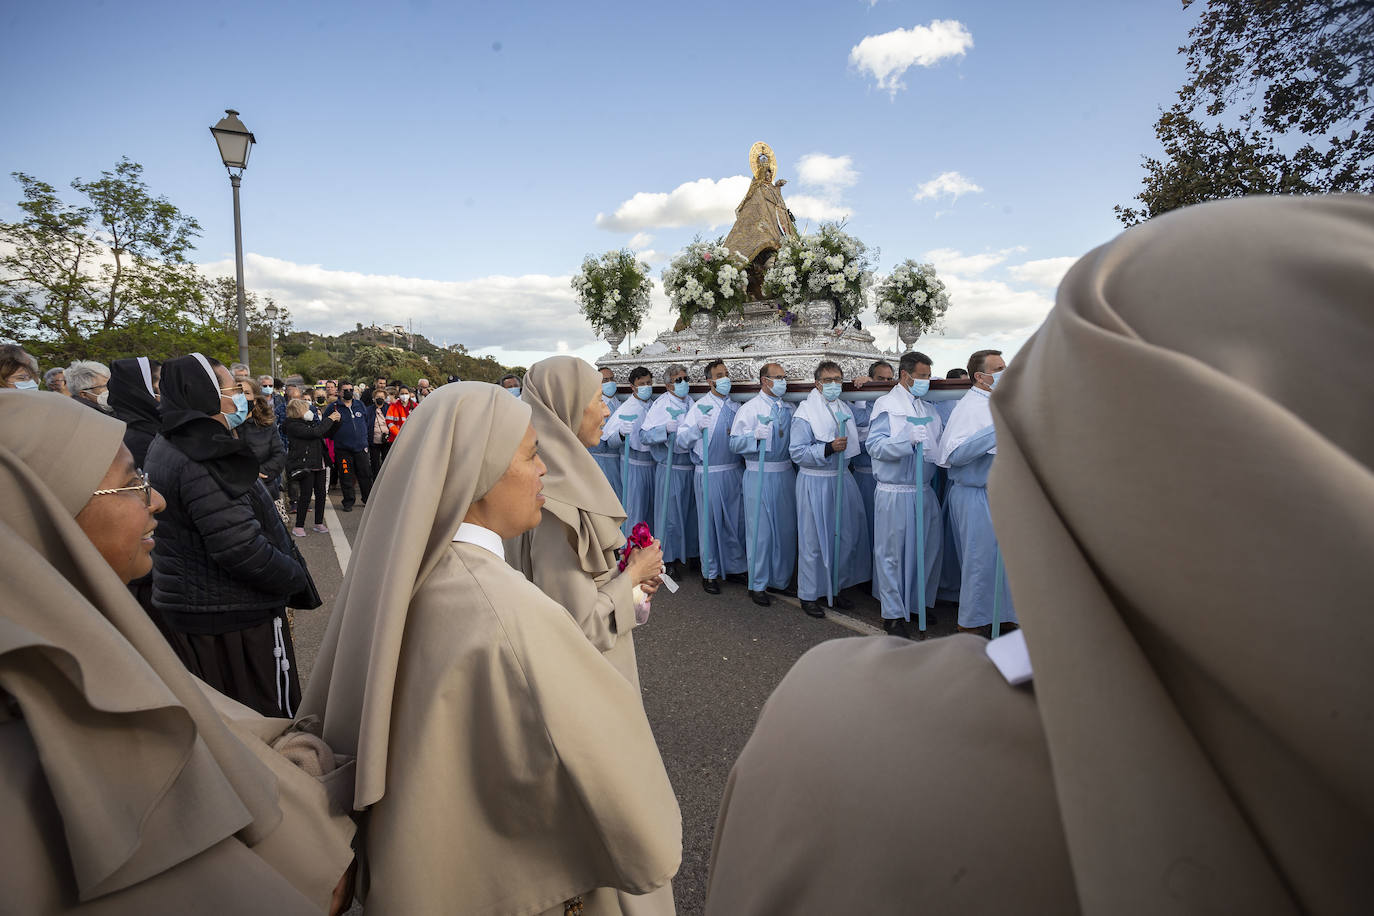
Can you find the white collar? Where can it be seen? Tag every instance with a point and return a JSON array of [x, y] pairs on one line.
[[976, 389], [469, 533]]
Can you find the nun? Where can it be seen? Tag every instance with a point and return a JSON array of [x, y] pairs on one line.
[[126, 785], [1164, 735], [571, 555], [134, 399], [503, 764]]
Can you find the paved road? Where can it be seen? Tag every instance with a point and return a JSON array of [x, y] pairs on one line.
[[706, 665]]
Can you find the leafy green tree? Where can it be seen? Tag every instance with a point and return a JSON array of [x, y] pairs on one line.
[[1278, 101]]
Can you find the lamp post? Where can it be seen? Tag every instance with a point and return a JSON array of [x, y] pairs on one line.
[[272, 338], [235, 143]]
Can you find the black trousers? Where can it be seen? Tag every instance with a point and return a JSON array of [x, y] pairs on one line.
[[355, 470], [378, 452], [308, 481]]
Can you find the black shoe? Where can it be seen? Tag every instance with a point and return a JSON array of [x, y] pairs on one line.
[[737, 578], [896, 627], [790, 591], [813, 609], [760, 598], [843, 603], [677, 569], [345, 508], [710, 586]]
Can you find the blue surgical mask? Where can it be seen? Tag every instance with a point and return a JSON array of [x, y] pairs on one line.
[[644, 392], [240, 412], [831, 390], [608, 389], [919, 387], [722, 386], [779, 387], [680, 389], [30, 385], [996, 376], [267, 390], [514, 390]]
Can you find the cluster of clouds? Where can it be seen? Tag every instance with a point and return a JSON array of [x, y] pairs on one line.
[[887, 57]]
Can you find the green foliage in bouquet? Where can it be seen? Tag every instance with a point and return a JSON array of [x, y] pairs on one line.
[[613, 292], [706, 277], [827, 265], [912, 293]]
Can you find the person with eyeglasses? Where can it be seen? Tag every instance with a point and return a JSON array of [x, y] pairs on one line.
[[675, 509], [766, 419], [224, 568], [18, 368], [88, 382]]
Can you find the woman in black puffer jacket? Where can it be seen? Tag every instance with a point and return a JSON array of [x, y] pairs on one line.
[[223, 567], [305, 459], [260, 429]]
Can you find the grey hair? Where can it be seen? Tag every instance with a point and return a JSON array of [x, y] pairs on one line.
[[83, 373], [673, 370], [261, 377], [235, 368], [52, 374]]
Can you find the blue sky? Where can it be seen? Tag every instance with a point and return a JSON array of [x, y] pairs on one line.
[[447, 163]]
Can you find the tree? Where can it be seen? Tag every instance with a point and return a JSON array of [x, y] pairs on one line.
[[117, 259], [1278, 101]]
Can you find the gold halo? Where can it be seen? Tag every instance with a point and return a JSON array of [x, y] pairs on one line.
[[754, 152]]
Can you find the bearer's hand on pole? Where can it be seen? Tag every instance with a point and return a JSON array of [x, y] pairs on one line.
[[839, 445]]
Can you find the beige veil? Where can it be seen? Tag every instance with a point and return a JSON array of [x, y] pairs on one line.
[[1185, 503], [450, 455], [576, 491], [144, 772]]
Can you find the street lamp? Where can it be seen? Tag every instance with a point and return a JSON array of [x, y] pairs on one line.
[[272, 337], [235, 143]]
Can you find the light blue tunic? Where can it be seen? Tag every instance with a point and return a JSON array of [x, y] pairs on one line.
[[678, 528], [770, 565], [638, 498], [816, 482], [861, 465], [608, 456], [725, 516], [894, 534], [949, 554], [969, 465]]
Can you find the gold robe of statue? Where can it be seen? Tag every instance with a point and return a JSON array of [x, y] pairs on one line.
[[762, 219]]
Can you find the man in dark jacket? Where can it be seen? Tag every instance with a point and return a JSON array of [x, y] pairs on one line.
[[350, 446]]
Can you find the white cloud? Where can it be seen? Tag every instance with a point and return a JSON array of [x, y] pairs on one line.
[[703, 202], [949, 261], [946, 184], [1045, 273], [829, 173], [640, 240], [651, 257], [804, 206], [889, 55]]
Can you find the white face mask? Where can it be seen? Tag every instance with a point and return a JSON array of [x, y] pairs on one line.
[[103, 399]]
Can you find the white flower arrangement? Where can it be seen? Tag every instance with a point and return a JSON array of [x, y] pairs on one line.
[[706, 277], [613, 292], [912, 293], [831, 264]]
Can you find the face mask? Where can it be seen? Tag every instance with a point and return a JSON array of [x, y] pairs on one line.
[[515, 391], [831, 390], [310, 415], [103, 399], [680, 389], [405, 398], [608, 389], [722, 386], [347, 395], [319, 399], [644, 392], [996, 376], [779, 387], [30, 385], [379, 401], [919, 387], [267, 390], [240, 410]]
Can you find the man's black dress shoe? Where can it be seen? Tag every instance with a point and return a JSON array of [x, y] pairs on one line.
[[710, 586], [813, 609], [760, 598], [843, 603], [345, 508], [737, 578], [789, 591], [896, 627]]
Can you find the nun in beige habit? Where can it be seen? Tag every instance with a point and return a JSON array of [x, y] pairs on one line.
[[571, 555], [503, 765], [1170, 477], [126, 786]]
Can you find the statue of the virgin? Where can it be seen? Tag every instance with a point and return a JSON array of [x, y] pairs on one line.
[[762, 220]]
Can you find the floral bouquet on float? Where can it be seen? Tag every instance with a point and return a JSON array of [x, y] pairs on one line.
[[913, 295], [706, 277], [613, 292], [828, 265]]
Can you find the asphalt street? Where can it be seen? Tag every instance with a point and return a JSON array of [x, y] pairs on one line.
[[707, 663]]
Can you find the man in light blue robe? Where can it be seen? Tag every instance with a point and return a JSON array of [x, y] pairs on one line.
[[637, 493], [892, 440], [862, 465], [949, 558], [721, 524], [967, 449], [773, 549], [607, 455], [816, 448], [675, 519]]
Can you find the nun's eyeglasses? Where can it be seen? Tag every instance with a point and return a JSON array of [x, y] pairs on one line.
[[145, 485]]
